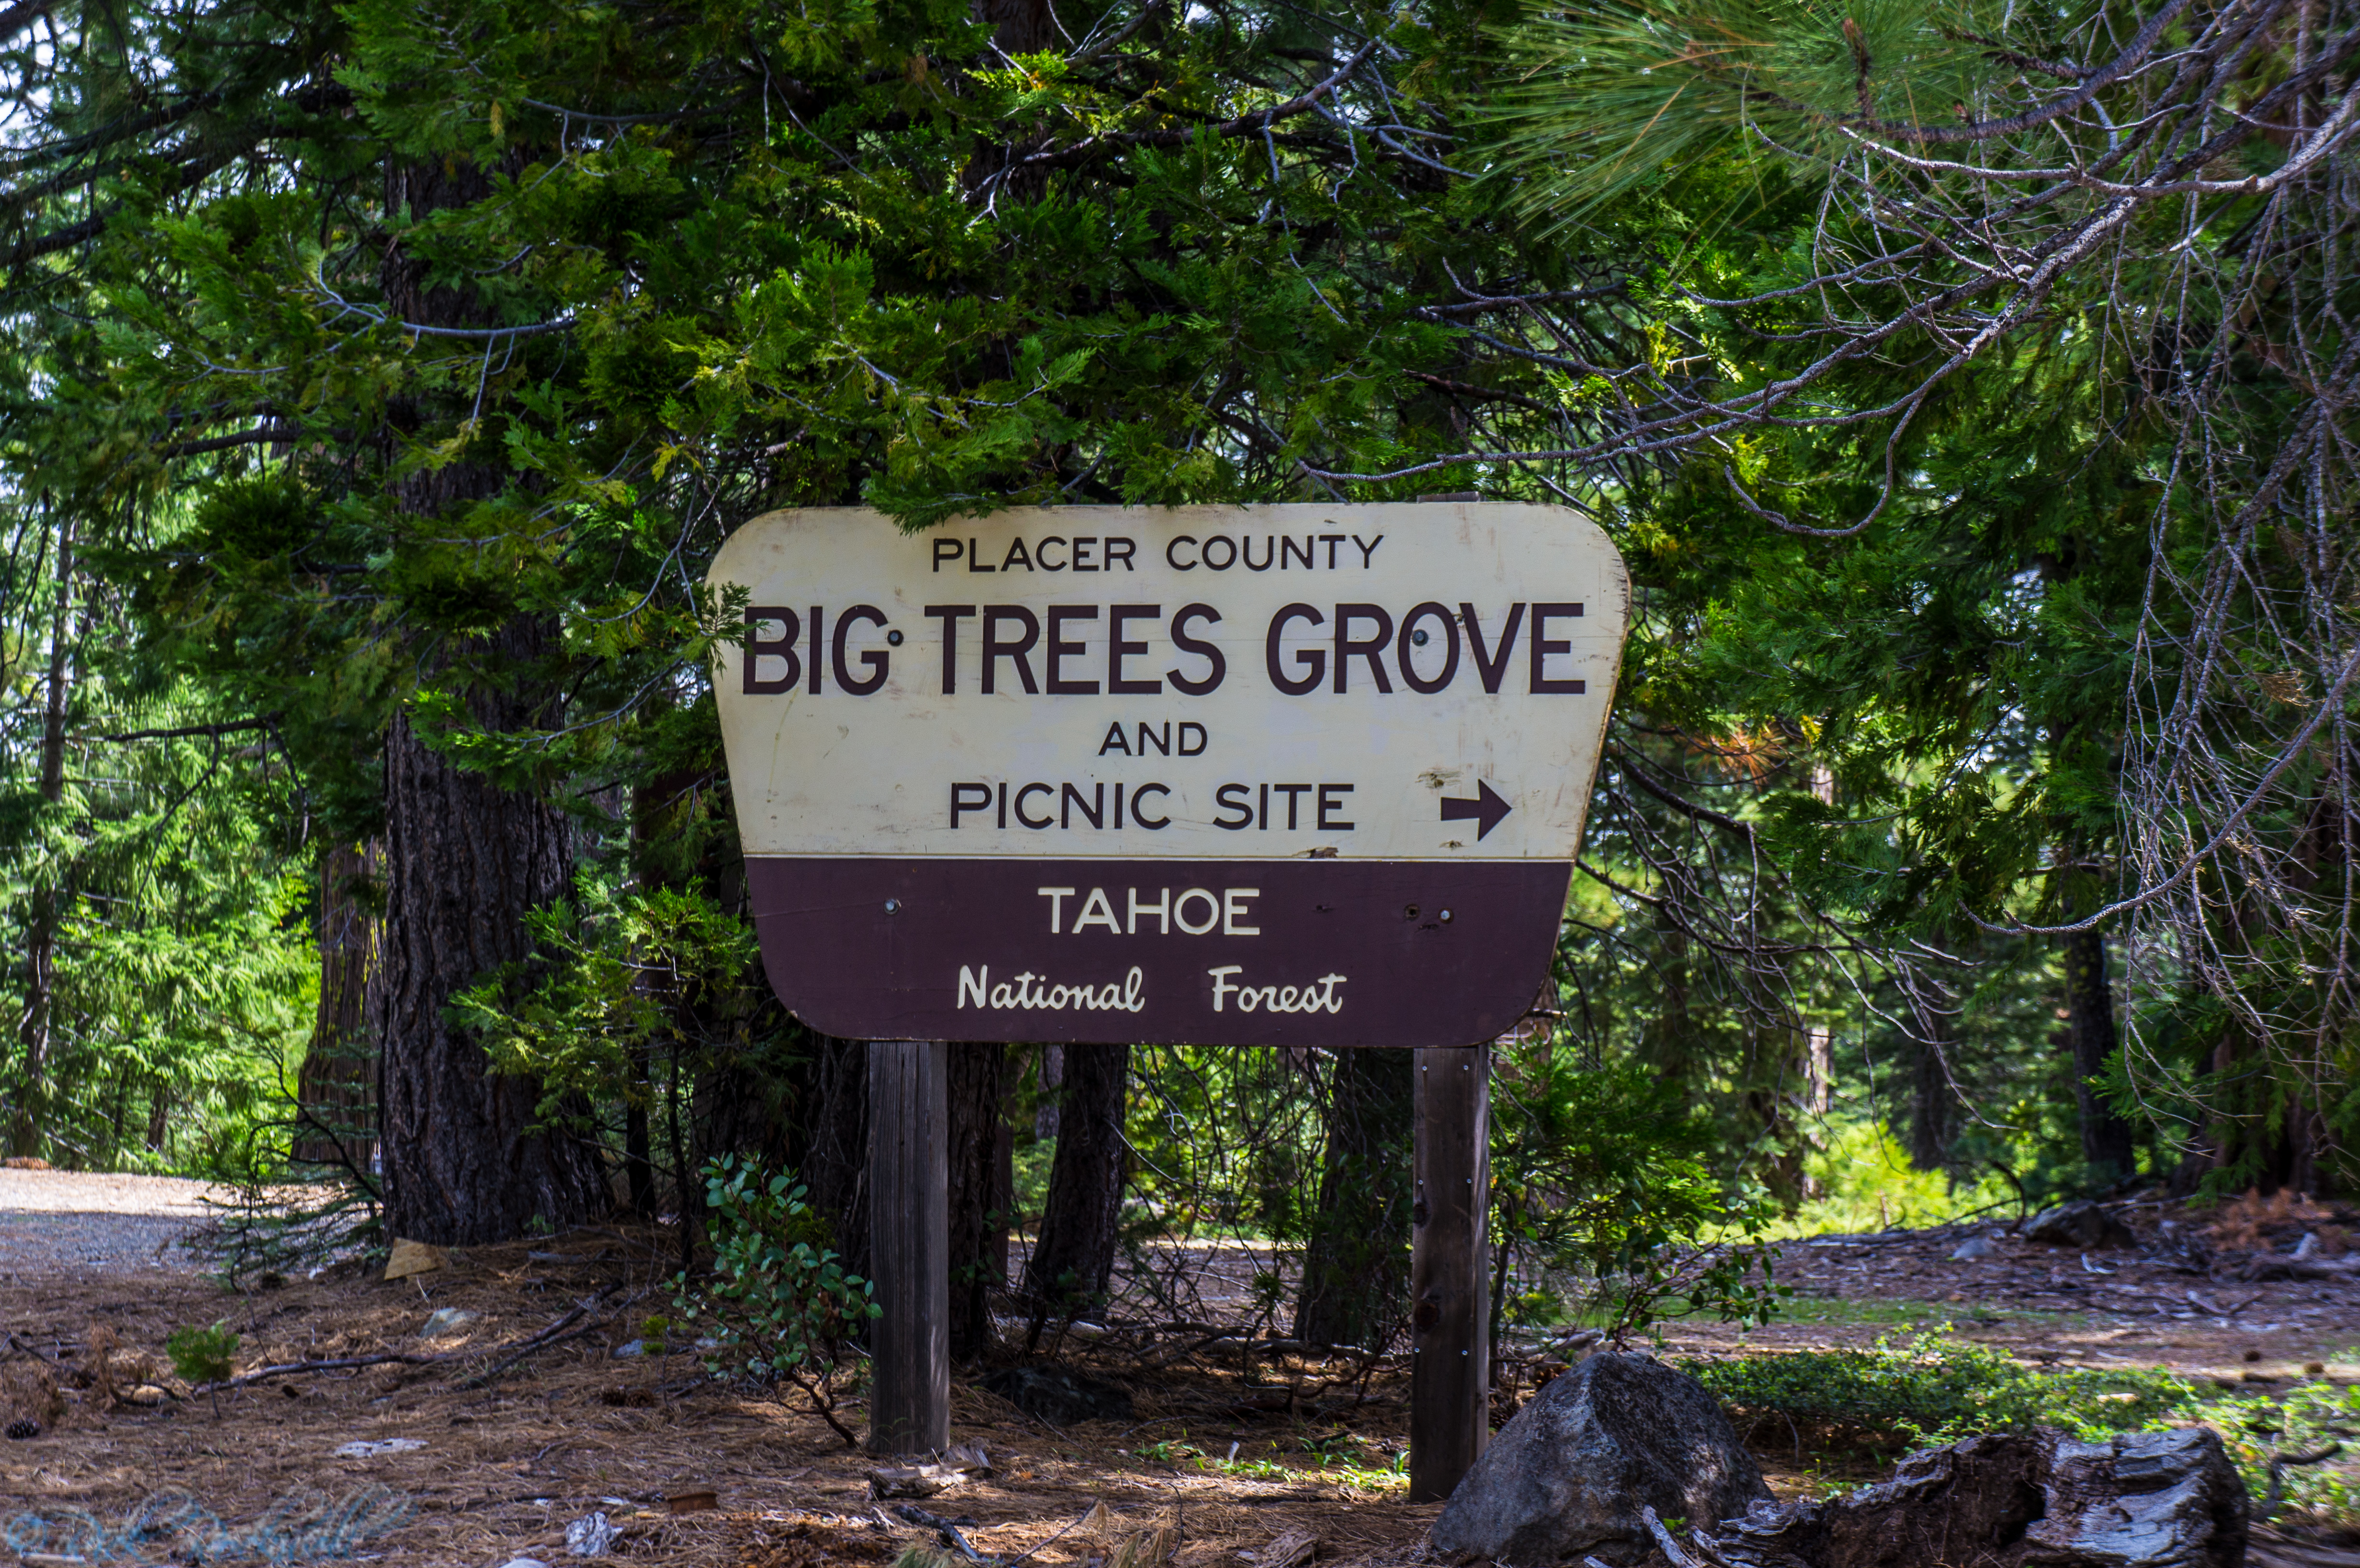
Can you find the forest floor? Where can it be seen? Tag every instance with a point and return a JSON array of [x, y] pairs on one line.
[[440, 1465]]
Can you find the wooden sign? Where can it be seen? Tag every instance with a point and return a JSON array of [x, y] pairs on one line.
[[1292, 774]]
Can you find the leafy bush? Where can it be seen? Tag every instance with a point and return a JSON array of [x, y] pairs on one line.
[[1601, 1176], [1936, 1389], [778, 1305], [622, 969]]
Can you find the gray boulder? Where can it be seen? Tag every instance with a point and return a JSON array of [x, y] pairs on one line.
[[2081, 1224], [2151, 1499], [1567, 1477]]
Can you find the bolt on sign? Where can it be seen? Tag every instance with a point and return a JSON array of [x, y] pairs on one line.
[[1287, 774]]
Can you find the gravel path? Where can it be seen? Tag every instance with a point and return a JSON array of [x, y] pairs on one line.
[[55, 1222]]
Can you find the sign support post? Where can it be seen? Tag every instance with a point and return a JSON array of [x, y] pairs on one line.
[[910, 1246], [1450, 1382]]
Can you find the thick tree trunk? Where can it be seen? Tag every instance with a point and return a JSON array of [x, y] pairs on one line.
[[1356, 1268], [976, 1072], [464, 862], [1073, 1263], [2107, 1141], [45, 904], [335, 1094]]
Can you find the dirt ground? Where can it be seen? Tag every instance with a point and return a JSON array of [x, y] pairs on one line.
[[467, 1463], [58, 1221]]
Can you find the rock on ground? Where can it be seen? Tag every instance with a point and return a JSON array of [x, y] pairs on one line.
[[1059, 1395], [2081, 1224], [1567, 1477], [2151, 1499]]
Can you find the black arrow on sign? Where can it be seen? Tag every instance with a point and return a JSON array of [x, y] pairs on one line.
[[1486, 808]]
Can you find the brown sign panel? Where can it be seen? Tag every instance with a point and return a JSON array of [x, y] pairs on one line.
[[1283, 775]]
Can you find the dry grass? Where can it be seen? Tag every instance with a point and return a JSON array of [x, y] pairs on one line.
[[502, 1466], [503, 1463]]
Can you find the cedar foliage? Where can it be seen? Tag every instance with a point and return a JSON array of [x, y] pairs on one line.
[[380, 379]]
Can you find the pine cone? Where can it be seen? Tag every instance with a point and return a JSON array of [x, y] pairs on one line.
[[23, 1427]]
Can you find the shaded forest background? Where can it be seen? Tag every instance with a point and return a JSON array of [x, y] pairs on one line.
[[1976, 821]]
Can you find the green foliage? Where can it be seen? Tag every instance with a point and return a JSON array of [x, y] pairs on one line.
[[202, 1355], [1602, 1177], [1936, 1389], [1865, 1180], [777, 1305], [626, 968], [180, 979], [1602, 101]]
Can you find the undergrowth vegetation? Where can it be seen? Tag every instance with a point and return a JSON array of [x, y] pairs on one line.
[[778, 1306], [1936, 1389]]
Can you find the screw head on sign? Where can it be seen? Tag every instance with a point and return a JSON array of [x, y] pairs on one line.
[[1418, 639], [1444, 917], [892, 639], [892, 905]]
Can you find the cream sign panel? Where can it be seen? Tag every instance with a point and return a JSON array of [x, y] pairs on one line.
[[1196, 725]]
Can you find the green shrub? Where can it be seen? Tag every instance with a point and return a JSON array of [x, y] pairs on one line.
[[1602, 1177], [201, 1357], [778, 1305], [1936, 1389]]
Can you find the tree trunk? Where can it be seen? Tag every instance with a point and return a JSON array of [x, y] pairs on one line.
[[1017, 26], [1053, 1079], [45, 903], [976, 1071], [2107, 1141], [1933, 1092], [1073, 1263], [832, 1152], [464, 862], [638, 1150], [1356, 1268], [334, 1093]]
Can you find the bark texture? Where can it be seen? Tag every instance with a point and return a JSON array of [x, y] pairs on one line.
[[977, 1221], [1933, 1092], [464, 861], [1053, 1080], [832, 1144], [2148, 1500], [1356, 1268], [1073, 1263], [2106, 1139], [337, 1089]]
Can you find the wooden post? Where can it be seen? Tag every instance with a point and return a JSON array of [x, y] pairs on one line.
[[1450, 1381], [909, 1245]]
